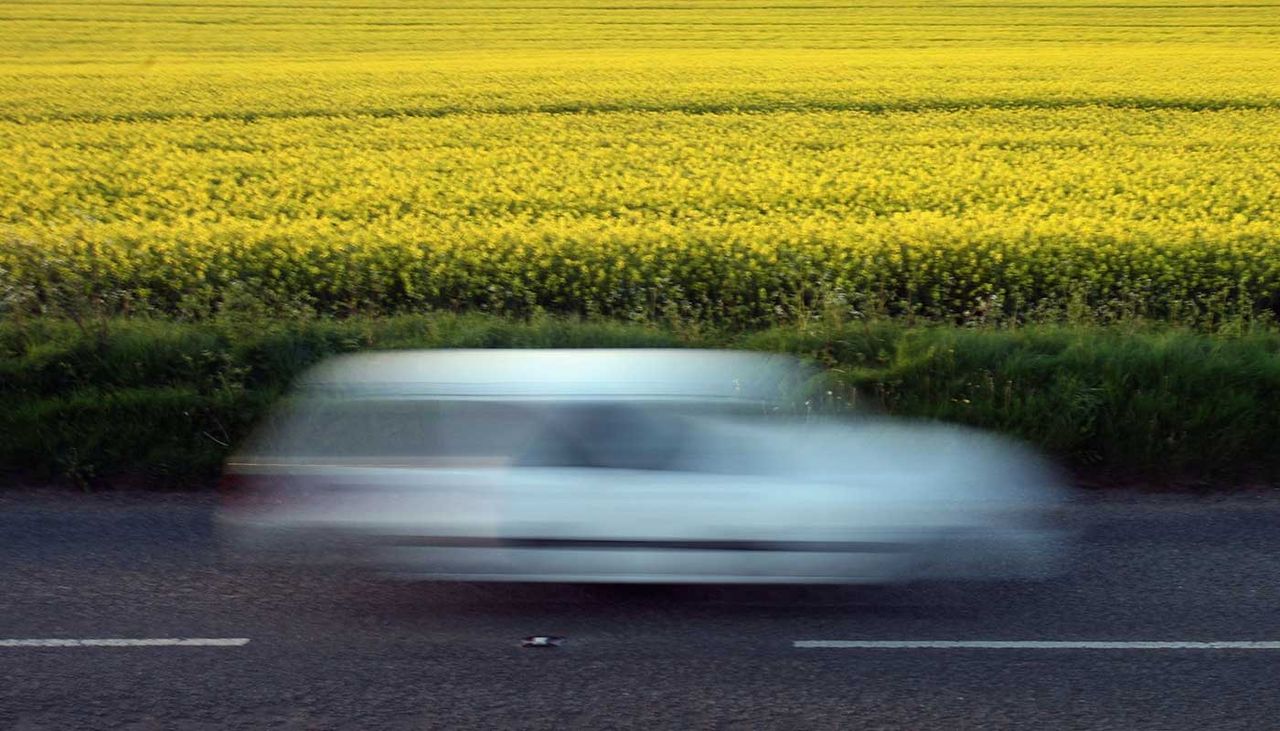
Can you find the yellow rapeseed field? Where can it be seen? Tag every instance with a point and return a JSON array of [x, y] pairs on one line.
[[733, 161]]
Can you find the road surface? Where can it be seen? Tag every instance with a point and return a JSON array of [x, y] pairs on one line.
[[95, 588]]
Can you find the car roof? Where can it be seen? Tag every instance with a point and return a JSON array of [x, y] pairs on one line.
[[627, 374]]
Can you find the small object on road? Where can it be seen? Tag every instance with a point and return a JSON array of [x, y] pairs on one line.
[[541, 641]]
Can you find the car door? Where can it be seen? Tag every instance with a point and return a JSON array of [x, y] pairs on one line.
[[643, 492]]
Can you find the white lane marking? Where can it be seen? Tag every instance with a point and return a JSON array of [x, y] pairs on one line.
[[1031, 645], [147, 642]]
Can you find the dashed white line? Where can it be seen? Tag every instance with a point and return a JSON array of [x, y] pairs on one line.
[[145, 642], [1031, 645]]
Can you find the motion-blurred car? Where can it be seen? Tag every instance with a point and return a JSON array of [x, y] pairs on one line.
[[626, 466]]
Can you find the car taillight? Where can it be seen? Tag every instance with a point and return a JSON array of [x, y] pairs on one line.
[[241, 492]]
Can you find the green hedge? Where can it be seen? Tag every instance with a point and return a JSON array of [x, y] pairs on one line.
[[167, 401]]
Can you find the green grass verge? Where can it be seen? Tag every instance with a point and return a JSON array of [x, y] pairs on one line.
[[166, 401]]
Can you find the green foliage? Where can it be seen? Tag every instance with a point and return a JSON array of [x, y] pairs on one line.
[[167, 401], [1153, 403]]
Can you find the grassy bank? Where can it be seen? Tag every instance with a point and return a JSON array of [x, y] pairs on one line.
[[166, 401]]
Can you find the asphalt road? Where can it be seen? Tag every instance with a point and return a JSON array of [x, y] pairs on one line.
[[332, 649]]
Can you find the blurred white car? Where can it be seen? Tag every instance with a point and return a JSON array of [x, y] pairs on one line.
[[627, 466]]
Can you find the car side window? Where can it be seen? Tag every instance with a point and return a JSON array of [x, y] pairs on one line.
[[607, 436], [349, 428]]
